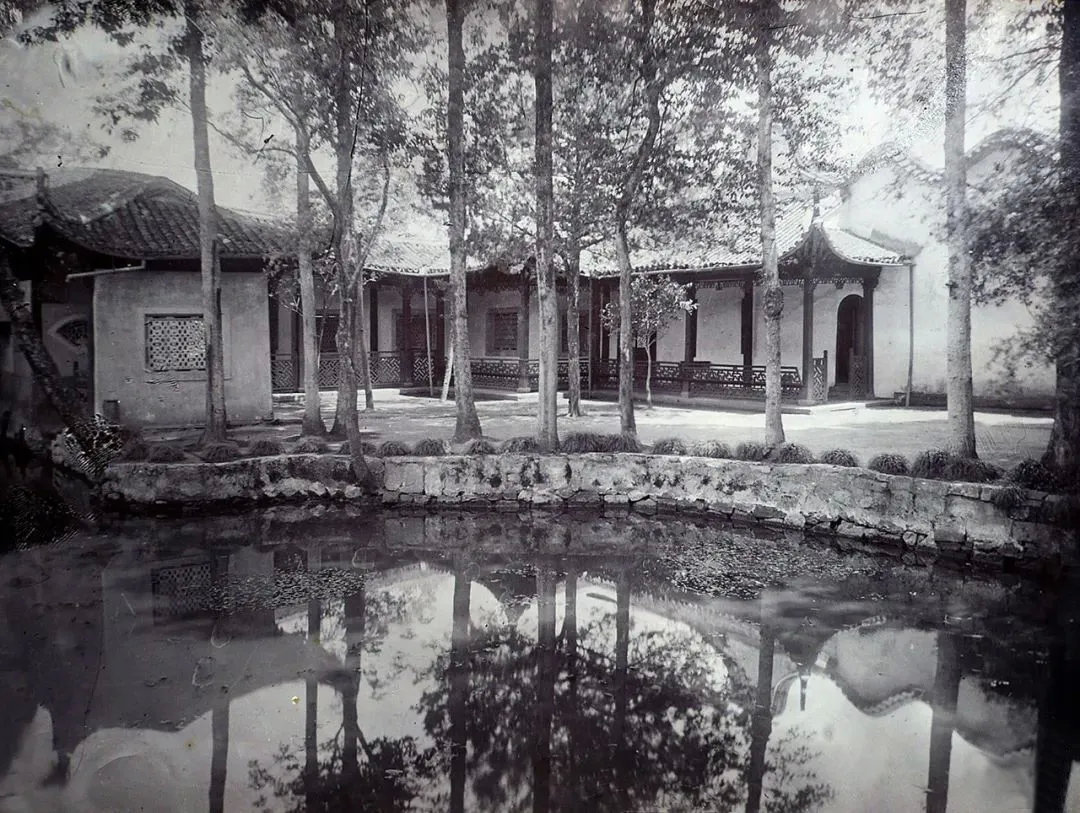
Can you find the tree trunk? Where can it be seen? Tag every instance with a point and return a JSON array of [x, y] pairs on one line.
[[361, 343], [958, 329], [547, 302], [219, 755], [546, 674], [648, 375], [459, 688], [761, 720], [468, 422], [1064, 447], [346, 350], [627, 423], [623, 205], [773, 293], [312, 422], [209, 260], [63, 399], [573, 337]]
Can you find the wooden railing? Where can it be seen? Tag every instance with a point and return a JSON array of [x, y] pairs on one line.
[[696, 379], [701, 379], [385, 366]]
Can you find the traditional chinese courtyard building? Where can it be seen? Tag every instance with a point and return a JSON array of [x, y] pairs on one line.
[[109, 263]]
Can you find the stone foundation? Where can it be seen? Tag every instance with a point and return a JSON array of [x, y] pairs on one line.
[[920, 520]]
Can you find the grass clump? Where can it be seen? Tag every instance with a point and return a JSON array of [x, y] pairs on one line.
[[311, 445], [585, 442], [265, 447], [135, 451], [711, 448], [1036, 475], [393, 448], [791, 453], [367, 449], [931, 464], [752, 451], [430, 447], [479, 446], [164, 453], [220, 452], [968, 470], [937, 464], [840, 457], [623, 442], [520, 445], [1011, 496], [889, 464], [669, 446]]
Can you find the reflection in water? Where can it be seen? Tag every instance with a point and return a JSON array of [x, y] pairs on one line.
[[192, 669]]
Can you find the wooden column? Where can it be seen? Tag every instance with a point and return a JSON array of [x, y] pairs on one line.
[[405, 352], [689, 341], [605, 336], [747, 332], [808, 336], [594, 331], [524, 385], [690, 329], [869, 284], [373, 317], [440, 330]]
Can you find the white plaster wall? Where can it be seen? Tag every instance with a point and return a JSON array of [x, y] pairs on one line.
[[917, 216], [121, 302], [719, 325]]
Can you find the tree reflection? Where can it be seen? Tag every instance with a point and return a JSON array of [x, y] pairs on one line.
[[640, 726], [349, 771]]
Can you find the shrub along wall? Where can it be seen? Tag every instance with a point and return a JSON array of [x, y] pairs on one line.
[[922, 520]]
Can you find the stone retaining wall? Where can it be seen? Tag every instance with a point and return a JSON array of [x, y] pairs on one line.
[[922, 520]]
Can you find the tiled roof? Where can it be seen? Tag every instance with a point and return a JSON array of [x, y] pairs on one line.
[[897, 155], [126, 214], [792, 232]]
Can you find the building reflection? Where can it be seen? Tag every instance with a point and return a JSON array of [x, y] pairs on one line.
[[477, 682]]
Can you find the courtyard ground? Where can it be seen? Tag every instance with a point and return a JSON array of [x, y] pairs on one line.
[[1003, 439]]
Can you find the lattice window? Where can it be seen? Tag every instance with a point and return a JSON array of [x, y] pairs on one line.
[[502, 337], [175, 343], [181, 590], [75, 332]]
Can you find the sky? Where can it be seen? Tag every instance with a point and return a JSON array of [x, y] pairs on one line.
[[57, 83]]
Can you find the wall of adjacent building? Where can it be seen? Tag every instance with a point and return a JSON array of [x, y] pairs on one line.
[[894, 204], [146, 398]]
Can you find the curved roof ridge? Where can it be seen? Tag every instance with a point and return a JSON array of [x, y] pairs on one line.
[[1023, 137], [893, 151]]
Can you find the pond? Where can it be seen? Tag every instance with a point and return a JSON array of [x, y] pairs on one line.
[[318, 659]]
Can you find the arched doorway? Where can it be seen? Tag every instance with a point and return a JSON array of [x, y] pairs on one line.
[[849, 336]]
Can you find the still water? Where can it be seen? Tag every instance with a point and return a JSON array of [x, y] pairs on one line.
[[298, 660]]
